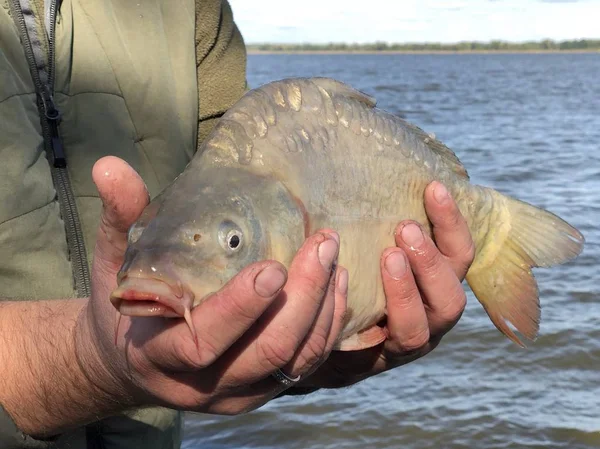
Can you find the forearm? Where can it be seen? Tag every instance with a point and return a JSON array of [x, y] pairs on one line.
[[46, 370]]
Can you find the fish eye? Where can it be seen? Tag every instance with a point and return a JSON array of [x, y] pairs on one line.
[[231, 236], [234, 240]]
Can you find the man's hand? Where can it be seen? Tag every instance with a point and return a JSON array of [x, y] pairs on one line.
[[425, 298], [264, 319], [60, 367]]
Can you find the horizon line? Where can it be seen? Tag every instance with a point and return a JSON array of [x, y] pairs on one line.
[[464, 41]]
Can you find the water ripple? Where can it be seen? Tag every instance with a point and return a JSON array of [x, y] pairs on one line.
[[529, 126]]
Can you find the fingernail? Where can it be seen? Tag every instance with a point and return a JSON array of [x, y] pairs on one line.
[[395, 264], [269, 281], [334, 235], [412, 235], [327, 253], [440, 193], [342, 281]]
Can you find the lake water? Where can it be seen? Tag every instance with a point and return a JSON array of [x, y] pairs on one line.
[[527, 125]]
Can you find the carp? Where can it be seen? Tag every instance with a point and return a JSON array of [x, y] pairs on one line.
[[301, 154]]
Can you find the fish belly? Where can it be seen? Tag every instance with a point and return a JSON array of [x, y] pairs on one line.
[[362, 243], [364, 203]]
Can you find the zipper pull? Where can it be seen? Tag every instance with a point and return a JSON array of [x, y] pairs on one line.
[[60, 160], [58, 150]]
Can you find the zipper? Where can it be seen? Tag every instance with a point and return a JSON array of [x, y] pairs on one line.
[[50, 110], [50, 118]]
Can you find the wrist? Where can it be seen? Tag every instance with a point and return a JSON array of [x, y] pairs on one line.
[[50, 380], [36, 370], [104, 366]]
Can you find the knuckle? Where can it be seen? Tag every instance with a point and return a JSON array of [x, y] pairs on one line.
[[451, 221], [454, 218], [314, 289], [313, 350], [277, 350], [430, 262], [449, 216], [233, 306], [455, 305], [405, 298], [194, 359], [415, 340], [402, 294]]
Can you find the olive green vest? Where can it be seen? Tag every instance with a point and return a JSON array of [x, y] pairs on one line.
[[143, 80]]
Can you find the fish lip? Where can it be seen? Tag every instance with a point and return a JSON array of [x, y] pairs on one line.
[[174, 296]]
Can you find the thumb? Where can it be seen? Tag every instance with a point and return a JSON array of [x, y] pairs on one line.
[[124, 197]]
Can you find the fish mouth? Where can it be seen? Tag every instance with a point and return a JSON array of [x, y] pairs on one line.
[[151, 297], [137, 296]]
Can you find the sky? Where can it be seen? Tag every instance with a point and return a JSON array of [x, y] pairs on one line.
[[322, 21]]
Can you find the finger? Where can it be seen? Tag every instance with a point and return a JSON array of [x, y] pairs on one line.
[[337, 325], [275, 340], [407, 323], [450, 229], [339, 313], [124, 196], [263, 390], [312, 350], [223, 318], [441, 290]]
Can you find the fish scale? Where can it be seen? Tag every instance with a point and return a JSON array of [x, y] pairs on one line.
[[297, 155]]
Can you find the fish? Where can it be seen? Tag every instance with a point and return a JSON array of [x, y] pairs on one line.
[[301, 154]]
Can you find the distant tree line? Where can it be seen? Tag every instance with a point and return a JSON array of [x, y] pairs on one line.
[[496, 45]]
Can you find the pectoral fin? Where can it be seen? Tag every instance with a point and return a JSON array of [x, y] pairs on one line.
[[367, 338]]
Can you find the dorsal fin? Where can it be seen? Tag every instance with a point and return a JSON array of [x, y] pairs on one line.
[[344, 90], [439, 148]]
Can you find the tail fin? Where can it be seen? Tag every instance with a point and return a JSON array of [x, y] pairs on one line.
[[502, 280]]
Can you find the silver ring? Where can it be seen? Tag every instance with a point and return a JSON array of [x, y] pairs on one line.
[[284, 379]]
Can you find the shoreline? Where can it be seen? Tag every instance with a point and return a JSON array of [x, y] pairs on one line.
[[414, 52]]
